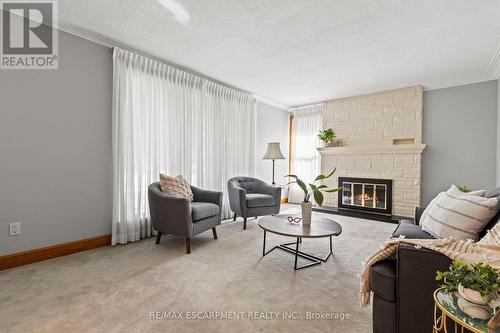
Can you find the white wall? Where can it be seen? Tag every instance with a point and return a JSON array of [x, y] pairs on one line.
[[272, 126]]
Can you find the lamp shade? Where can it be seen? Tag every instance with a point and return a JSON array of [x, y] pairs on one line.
[[273, 152]]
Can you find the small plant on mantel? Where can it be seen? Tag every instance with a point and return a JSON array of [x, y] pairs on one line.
[[464, 189], [327, 136], [313, 189]]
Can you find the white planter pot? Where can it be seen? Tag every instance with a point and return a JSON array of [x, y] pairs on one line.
[[482, 312], [306, 212], [473, 295]]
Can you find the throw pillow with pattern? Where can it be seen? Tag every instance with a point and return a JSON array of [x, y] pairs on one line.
[[453, 190], [460, 216], [176, 186]]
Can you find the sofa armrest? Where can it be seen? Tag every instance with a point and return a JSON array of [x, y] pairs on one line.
[[200, 195], [418, 214], [416, 271], [170, 215]]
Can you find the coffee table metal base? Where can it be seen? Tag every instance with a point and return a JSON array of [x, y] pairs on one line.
[[314, 260]]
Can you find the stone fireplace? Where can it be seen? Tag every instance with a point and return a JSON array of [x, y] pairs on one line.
[[380, 137]]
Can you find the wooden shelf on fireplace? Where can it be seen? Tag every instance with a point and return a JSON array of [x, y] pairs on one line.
[[362, 215], [374, 149]]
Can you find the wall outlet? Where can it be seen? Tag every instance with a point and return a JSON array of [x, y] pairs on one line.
[[14, 229]]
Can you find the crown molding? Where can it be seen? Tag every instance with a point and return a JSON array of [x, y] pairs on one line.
[[494, 67], [87, 34]]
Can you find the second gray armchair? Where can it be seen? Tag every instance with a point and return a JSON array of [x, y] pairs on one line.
[[252, 197]]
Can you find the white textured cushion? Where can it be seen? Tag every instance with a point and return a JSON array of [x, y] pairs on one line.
[[452, 190], [459, 215], [176, 186]]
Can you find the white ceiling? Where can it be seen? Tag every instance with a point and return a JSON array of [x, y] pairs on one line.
[[296, 52]]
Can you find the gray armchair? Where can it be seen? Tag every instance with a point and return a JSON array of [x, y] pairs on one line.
[[252, 197], [181, 217]]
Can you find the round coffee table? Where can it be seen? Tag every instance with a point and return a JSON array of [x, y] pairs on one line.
[[319, 228]]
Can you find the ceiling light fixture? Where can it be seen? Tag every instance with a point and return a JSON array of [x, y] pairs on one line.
[[180, 13]]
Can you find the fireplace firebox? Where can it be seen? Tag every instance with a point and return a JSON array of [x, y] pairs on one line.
[[365, 194]]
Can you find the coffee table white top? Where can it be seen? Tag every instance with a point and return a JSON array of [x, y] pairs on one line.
[[319, 227]]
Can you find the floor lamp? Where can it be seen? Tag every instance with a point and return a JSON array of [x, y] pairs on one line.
[[273, 153]]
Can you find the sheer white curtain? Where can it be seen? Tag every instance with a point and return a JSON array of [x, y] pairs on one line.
[[167, 120], [305, 158]]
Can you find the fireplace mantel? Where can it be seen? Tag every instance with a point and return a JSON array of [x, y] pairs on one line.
[[374, 149]]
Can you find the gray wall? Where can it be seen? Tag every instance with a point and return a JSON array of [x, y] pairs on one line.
[[272, 126], [460, 130], [55, 148]]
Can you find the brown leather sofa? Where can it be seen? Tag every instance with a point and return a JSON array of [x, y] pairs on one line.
[[403, 288]]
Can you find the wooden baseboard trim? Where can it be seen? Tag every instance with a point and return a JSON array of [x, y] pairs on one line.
[[49, 252], [284, 200]]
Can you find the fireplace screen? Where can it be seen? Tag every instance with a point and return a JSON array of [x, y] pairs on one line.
[[374, 195]]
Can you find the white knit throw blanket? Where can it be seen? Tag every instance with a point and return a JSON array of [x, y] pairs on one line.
[[465, 251]]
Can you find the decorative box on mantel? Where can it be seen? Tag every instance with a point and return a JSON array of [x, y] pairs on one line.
[[381, 137]]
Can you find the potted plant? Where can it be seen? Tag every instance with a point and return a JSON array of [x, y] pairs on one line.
[[327, 136], [464, 189], [313, 190], [477, 283]]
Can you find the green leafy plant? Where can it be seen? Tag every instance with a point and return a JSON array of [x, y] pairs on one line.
[[479, 277], [314, 189], [464, 189], [327, 136]]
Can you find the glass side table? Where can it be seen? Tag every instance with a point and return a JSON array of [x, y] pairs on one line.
[[447, 314]]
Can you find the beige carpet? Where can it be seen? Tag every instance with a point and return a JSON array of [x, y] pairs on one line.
[[114, 289]]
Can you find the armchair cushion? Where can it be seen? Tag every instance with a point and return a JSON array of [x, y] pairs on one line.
[[203, 210], [260, 200], [410, 231]]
